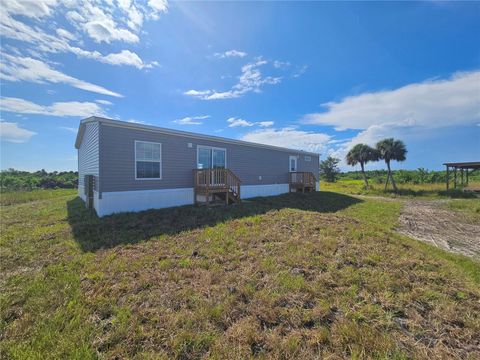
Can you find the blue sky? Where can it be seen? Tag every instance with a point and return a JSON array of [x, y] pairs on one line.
[[320, 76]]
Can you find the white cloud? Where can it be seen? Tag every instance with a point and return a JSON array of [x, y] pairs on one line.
[[230, 53], [100, 20], [33, 9], [432, 104], [191, 120], [11, 132], [158, 6], [411, 113], [250, 80], [104, 102], [233, 122], [105, 31], [197, 93], [236, 122], [300, 71], [281, 64], [289, 137], [65, 34], [15, 68], [70, 108], [265, 123], [69, 129], [126, 57], [105, 23], [134, 121]]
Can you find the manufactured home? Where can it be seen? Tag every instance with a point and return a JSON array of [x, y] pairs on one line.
[[132, 167]]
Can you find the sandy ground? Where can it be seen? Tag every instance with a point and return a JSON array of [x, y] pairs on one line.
[[428, 221]]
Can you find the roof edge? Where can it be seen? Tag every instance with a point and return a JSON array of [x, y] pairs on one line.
[[167, 131], [81, 130]]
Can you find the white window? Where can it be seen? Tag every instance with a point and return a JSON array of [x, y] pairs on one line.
[[293, 164], [308, 158], [211, 157], [148, 160]]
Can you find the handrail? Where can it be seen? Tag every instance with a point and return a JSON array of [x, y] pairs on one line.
[[217, 179], [302, 177]]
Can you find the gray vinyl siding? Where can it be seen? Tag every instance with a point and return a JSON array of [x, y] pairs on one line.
[[88, 153], [117, 160]]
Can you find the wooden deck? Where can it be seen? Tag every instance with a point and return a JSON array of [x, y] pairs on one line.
[[302, 181], [216, 185]]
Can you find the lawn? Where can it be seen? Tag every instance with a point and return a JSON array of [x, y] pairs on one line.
[[429, 191], [18, 197], [470, 209], [295, 276]]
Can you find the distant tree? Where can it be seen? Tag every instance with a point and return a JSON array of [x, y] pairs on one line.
[[391, 149], [329, 168], [362, 154], [13, 180]]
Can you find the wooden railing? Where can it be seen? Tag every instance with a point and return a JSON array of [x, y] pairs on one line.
[[302, 178], [217, 180]]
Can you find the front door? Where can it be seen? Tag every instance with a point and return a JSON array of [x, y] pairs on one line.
[[293, 164]]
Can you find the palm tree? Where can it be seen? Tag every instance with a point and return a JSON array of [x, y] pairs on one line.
[[391, 149], [362, 154]]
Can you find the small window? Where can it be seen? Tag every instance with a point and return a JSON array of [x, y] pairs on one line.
[[308, 158], [148, 160]]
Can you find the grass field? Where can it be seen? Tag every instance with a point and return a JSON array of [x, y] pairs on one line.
[[296, 276], [18, 197], [436, 190], [470, 209]]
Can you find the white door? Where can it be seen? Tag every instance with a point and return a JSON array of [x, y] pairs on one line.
[[293, 164]]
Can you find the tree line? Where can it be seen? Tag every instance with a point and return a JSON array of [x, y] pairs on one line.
[[16, 180]]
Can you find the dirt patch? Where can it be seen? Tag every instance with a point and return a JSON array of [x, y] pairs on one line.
[[428, 221]]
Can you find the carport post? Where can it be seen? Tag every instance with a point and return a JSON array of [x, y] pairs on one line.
[[454, 177], [447, 176]]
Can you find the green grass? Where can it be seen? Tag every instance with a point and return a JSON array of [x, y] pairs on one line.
[[294, 276], [468, 208], [430, 191], [18, 197]]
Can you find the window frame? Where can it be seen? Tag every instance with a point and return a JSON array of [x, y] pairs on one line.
[[160, 161], [307, 158], [211, 156]]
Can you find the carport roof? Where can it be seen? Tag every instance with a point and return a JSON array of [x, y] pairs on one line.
[[464, 165]]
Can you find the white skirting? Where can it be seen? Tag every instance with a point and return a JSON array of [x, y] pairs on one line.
[[250, 191], [138, 200]]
